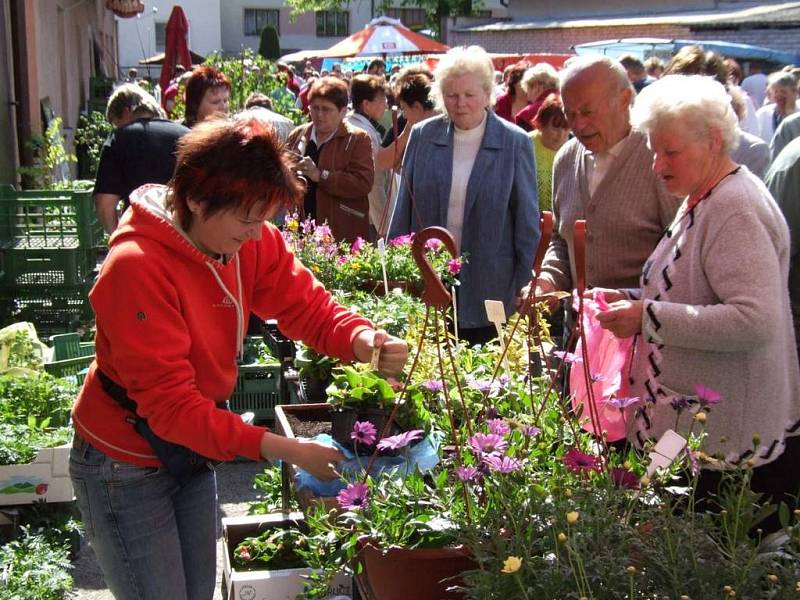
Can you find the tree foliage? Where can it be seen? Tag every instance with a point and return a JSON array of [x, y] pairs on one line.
[[436, 10]]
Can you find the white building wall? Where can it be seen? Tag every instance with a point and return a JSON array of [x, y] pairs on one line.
[[521, 10], [137, 37], [298, 35]]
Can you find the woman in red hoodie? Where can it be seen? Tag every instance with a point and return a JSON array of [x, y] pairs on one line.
[[188, 262]]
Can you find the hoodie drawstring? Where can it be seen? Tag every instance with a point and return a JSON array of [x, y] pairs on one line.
[[236, 303]]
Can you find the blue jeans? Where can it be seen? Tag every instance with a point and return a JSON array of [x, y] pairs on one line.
[[153, 539]]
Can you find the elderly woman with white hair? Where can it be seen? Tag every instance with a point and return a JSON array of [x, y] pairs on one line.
[[473, 173], [538, 82], [712, 315]]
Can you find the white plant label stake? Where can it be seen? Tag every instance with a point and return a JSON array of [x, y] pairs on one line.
[[666, 451], [382, 254], [496, 313]]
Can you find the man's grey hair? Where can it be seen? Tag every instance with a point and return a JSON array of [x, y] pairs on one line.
[[700, 103], [463, 60], [137, 99], [578, 64], [784, 79]]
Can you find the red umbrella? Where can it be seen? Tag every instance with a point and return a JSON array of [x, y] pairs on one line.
[[125, 8], [176, 46], [384, 36]]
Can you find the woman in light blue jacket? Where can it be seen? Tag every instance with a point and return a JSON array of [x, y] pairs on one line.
[[473, 173]]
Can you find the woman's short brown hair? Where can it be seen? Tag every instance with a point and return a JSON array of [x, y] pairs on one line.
[[331, 89], [366, 87], [512, 75], [551, 111], [202, 79], [226, 165]]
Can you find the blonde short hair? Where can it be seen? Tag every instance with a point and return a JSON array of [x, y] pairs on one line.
[[700, 103], [137, 99], [463, 60], [543, 73]]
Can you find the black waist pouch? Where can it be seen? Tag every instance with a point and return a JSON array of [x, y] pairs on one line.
[[179, 461]]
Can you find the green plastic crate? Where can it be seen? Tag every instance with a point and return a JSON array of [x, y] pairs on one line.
[[69, 345], [54, 309], [41, 220], [48, 267], [257, 390], [70, 368]]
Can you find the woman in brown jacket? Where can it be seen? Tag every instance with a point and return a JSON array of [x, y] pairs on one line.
[[336, 160]]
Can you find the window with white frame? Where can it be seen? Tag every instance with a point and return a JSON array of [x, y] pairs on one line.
[[255, 19], [161, 36], [413, 18], [333, 23]]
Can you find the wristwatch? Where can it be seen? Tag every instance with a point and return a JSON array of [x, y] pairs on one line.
[[324, 175]]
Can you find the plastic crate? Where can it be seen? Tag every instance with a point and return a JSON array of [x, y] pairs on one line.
[[74, 369], [41, 220], [281, 347], [69, 345], [54, 309], [257, 390], [48, 267]]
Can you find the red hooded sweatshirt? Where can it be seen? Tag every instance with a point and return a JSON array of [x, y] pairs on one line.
[[171, 321]]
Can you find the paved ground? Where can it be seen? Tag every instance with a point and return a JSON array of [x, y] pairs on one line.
[[235, 484]]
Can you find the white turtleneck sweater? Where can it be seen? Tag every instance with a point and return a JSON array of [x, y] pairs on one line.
[[466, 143]]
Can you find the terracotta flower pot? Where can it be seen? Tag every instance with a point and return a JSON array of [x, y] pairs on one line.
[[420, 573]]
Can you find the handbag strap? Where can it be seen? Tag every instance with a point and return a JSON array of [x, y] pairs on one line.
[[579, 250]]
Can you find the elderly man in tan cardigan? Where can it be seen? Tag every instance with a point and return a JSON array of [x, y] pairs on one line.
[[603, 175]]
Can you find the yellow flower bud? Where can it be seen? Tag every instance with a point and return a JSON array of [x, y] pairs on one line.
[[628, 465], [562, 537], [568, 493], [685, 597], [773, 578], [512, 564], [644, 481], [631, 570], [751, 462], [756, 439], [700, 417], [572, 517], [727, 589]]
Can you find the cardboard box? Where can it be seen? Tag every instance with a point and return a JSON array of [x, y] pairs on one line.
[[285, 584], [44, 479]]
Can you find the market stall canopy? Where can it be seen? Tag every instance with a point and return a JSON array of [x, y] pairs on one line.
[[383, 36], [158, 59], [125, 8], [176, 46], [645, 47]]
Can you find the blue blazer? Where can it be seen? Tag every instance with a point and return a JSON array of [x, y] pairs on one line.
[[501, 214]]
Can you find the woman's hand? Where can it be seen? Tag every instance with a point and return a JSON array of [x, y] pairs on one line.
[[623, 318], [307, 168], [316, 458], [394, 351]]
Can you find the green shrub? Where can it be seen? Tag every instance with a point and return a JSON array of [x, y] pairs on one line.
[[34, 568]]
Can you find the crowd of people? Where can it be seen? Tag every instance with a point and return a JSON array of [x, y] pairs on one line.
[[686, 175]]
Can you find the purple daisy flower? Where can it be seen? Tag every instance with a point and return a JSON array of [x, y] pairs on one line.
[[481, 385], [623, 403], [501, 464], [364, 432], [401, 440], [433, 385], [595, 377], [577, 461], [499, 427], [358, 245], [354, 496], [568, 357], [402, 240], [433, 244], [467, 473], [488, 443], [625, 479], [679, 402], [454, 266], [531, 430], [706, 395]]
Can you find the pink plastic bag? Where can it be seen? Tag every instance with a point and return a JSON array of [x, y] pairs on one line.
[[609, 365]]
